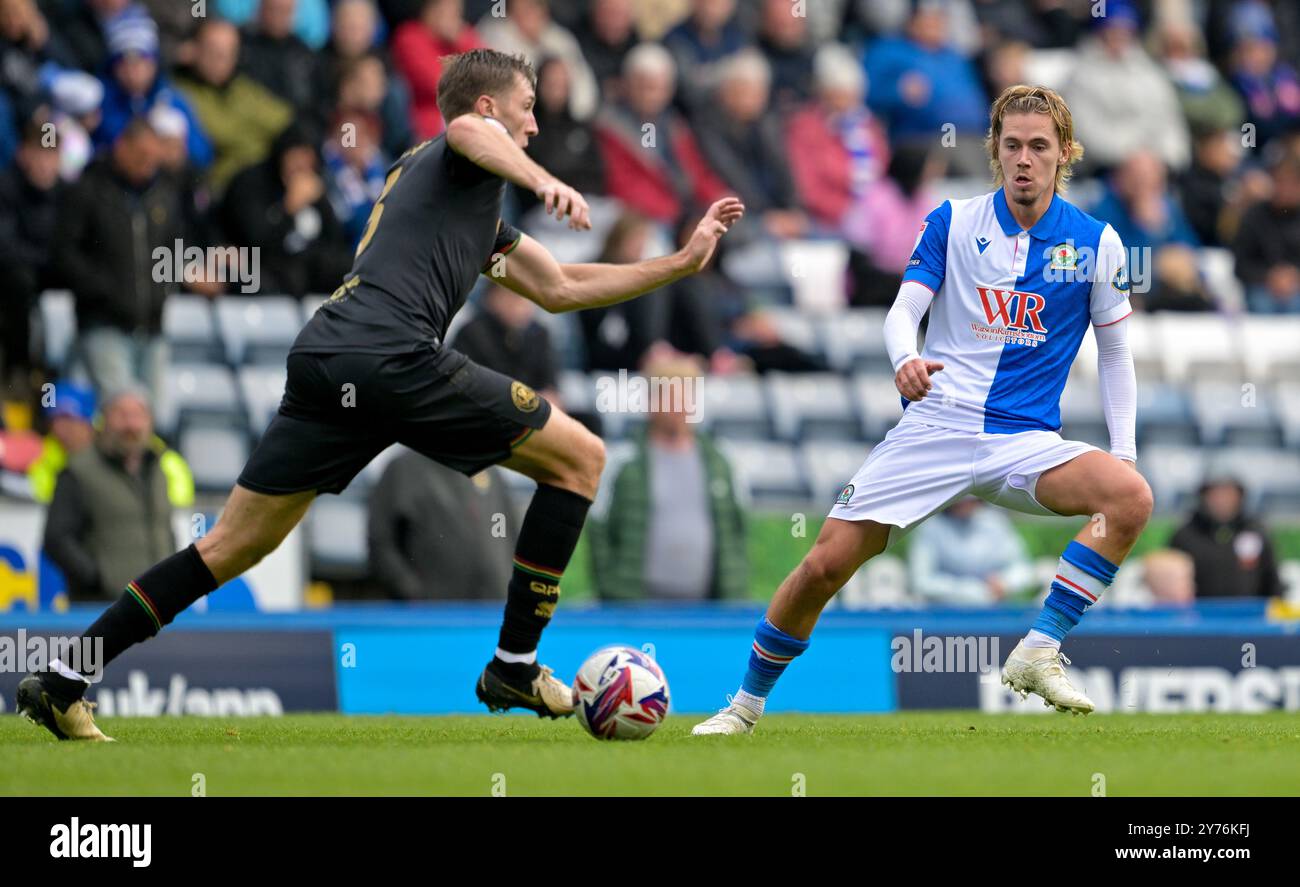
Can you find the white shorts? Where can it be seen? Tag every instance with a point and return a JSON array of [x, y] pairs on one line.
[[919, 469]]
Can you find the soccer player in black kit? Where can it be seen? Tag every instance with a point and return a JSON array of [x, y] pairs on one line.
[[369, 369]]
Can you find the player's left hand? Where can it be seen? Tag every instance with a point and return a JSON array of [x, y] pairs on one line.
[[716, 222]]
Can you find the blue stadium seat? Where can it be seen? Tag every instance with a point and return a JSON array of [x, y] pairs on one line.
[[58, 326], [1082, 417], [811, 405], [830, 465], [855, 340], [190, 330], [769, 470], [216, 456], [1287, 396], [1164, 415], [1271, 347], [735, 406], [1174, 473], [262, 388], [1226, 413], [1198, 346], [202, 391], [879, 404], [258, 329], [337, 540]]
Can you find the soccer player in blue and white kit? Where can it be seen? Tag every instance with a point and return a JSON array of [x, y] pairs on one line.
[[1012, 280]]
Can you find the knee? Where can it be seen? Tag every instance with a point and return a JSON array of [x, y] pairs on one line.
[[823, 573], [586, 464], [229, 554], [1130, 505]]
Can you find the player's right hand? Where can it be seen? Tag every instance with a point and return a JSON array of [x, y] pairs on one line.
[[913, 378], [560, 200]]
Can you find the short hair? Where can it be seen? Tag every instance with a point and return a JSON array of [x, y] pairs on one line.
[[746, 64], [650, 57], [478, 72], [1022, 99]]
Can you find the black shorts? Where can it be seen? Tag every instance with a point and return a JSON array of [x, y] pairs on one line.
[[341, 410]]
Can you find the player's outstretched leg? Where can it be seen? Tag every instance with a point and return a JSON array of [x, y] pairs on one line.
[[566, 460], [783, 632], [252, 526], [1119, 501]]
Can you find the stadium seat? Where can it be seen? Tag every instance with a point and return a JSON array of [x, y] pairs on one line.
[[829, 465], [258, 329], [58, 316], [735, 406], [1271, 476], [769, 470], [262, 388], [1174, 473], [796, 328], [204, 391], [1164, 415], [811, 405], [1082, 417], [1146, 348], [855, 340], [216, 456], [310, 304], [1198, 346], [190, 331], [1050, 67], [576, 391], [337, 540], [1271, 347], [879, 404], [1218, 269], [1228, 413], [1287, 396], [815, 271]]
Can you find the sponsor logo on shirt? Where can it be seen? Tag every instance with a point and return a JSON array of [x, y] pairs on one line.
[[1011, 317]]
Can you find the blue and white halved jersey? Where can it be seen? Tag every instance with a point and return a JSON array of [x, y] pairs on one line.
[[1010, 309]]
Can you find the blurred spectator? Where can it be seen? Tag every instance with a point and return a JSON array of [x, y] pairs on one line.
[[69, 414], [968, 555], [1207, 100], [436, 534], [1214, 191], [353, 46], [607, 34], [109, 225], [1267, 245], [564, 146], [1140, 206], [82, 30], [195, 195], [882, 225], [1232, 551], [1170, 577], [783, 39], [708, 35], [30, 194], [311, 18], [505, 335], [1121, 99], [25, 46], [240, 116], [1042, 24], [658, 171], [528, 30], [1005, 66], [418, 49], [616, 337], [836, 147], [744, 140], [668, 524], [112, 508], [177, 25], [921, 86], [355, 169], [277, 58], [1177, 285], [77, 100], [1269, 84], [136, 86], [281, 207]]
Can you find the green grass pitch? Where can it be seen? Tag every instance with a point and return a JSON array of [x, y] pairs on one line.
[[945, 753]]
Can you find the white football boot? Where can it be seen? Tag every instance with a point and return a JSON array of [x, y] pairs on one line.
[[1038, 670], [734, 719]]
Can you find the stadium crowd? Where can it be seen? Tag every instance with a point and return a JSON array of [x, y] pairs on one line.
[[260, 131]]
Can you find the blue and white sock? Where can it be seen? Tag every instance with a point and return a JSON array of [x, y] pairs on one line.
[[771, 654], [1082, 575]]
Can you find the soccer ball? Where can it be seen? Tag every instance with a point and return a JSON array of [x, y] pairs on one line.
[[620, 693]]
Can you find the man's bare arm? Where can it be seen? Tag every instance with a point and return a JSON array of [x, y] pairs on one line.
[[486, 143], [533, 272]]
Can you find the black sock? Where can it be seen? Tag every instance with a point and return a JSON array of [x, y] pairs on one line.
[[148, 603], [546, 542]]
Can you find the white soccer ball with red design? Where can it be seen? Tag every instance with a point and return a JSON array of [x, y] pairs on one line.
[[620, 693]]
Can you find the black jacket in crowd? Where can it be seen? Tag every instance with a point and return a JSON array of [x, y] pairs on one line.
[[1234, 559]]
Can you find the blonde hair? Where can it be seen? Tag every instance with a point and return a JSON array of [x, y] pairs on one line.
[[1022, 99]]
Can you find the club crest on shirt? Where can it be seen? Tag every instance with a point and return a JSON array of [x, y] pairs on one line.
[[1064, 257], [845, 495], [525, 398]]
